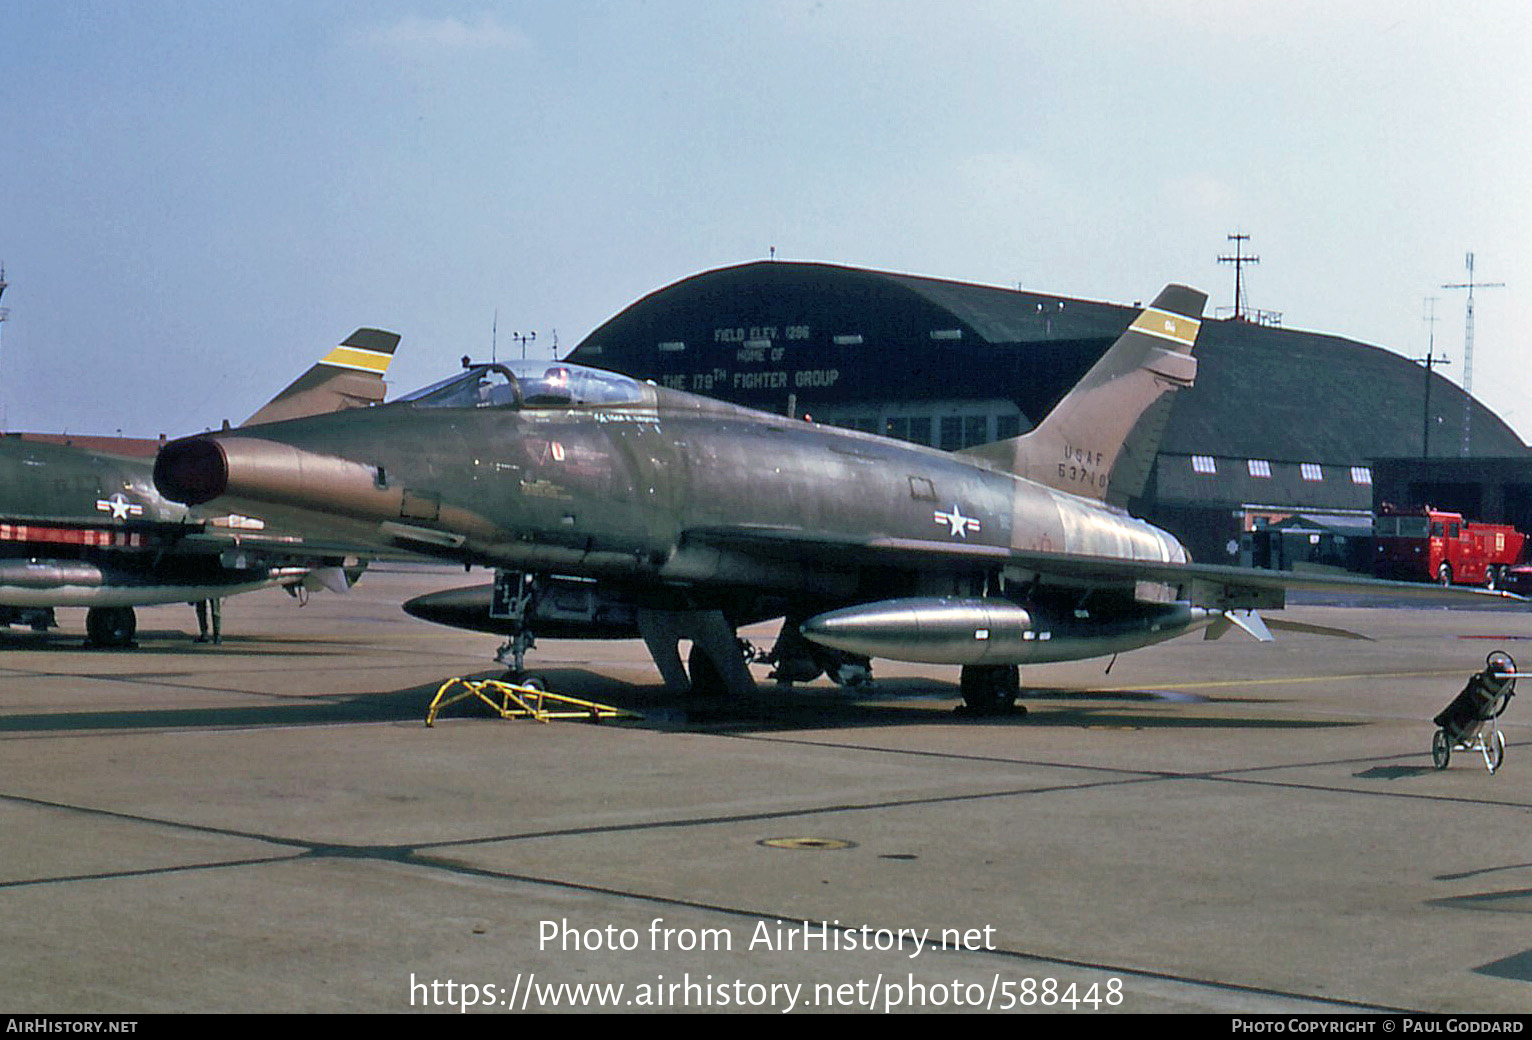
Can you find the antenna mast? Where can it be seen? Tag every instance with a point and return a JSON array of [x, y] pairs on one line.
[[1470, 285], [1430, 361], [1239, 260], [1241, 309], [5, 312]]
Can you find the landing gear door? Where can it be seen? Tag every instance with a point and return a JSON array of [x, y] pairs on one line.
[[509, 594]]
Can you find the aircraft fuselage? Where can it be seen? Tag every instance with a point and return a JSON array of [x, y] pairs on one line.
[[635, 491]]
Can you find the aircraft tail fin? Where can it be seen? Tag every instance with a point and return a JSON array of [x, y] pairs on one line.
[[350, 376], [1101, 439]]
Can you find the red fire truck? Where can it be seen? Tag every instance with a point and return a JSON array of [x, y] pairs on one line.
[[1435, 546]]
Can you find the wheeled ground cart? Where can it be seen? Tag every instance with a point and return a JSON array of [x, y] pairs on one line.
[[1471, 721]]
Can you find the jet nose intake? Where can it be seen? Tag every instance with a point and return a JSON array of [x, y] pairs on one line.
[[193, 471]]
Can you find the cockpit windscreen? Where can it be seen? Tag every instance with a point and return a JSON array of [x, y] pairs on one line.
[[528, 384]]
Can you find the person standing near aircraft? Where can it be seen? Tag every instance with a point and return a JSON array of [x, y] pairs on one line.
[[210, 608]]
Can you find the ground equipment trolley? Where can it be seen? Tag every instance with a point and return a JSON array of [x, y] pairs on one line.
[[1472, 721]]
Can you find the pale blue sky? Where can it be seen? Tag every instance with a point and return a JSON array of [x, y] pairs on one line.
[[196, 199]]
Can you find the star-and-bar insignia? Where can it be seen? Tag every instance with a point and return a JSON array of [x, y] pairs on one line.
[[958, 524], [119, 506]]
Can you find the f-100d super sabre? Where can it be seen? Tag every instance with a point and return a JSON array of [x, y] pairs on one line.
[[613, 508], [85, 527]]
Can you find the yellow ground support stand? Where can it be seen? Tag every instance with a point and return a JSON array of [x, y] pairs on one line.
[[522, 702]]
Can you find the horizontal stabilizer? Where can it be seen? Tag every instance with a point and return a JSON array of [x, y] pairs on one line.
[[1243, 619], [1251, 622], [333, 578]]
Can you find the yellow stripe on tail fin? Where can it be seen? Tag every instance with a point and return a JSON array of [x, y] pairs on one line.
[[1100, 440], [349, 376]]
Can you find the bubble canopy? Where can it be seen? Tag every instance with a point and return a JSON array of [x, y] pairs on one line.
[[528, 384]]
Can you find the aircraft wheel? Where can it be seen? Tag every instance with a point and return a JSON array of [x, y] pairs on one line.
[[1444, 574], [852, 676], [706, 680], [533, 682], [1441, 749], [110, 626], [1494, 751], [990, 689]]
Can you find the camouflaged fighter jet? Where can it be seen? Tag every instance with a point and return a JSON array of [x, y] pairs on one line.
[[612, 508], [81, 524]]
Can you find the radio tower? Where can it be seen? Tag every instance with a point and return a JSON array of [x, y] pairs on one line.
[[1239, 260], [1431, 360], [5, 312], [1242, 310], [1470, 285]]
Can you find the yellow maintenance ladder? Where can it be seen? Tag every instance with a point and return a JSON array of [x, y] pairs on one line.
[[522, 701]]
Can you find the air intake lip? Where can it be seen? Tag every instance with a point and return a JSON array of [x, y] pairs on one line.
[[193, 471]]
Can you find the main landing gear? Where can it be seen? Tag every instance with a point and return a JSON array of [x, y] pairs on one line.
[[716, 664], [991, 689], [110, 628]]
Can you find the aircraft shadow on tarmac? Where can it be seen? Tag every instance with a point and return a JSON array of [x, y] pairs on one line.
[[891, 702], [1505, 901], [174, 641], [299, 710], [894, 702]]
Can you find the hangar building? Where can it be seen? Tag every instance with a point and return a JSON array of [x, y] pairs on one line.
[[1281, 427]]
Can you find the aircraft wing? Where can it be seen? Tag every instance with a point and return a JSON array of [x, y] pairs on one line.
[[278, 534], [1210, 585]]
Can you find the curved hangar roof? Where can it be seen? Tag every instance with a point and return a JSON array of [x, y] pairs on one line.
[[757, 332]]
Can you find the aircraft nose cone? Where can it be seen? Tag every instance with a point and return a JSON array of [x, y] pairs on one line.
[[193, 471]]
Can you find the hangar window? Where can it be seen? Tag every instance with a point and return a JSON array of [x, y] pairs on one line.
[[962, 431], [916, 428], [1204, 464], [1258, 467], [1312, 471], [951, 432], [1361, 475], [1007, 426]]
